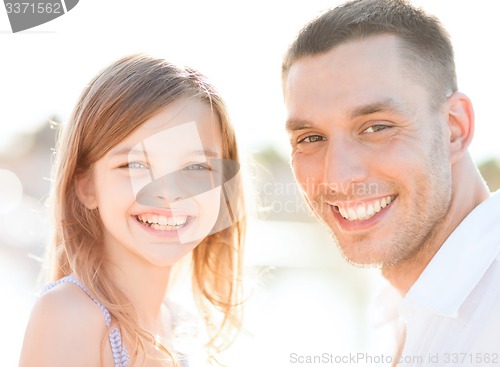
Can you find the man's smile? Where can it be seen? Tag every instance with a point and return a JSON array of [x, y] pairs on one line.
[[362, 210]]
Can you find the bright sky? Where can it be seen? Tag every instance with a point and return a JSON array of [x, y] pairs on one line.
[[239, 45]]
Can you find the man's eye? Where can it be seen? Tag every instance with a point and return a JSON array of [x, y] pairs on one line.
[[197, 167], [312, 139], [375, 128]]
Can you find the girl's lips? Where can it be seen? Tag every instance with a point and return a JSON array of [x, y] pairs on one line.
[[163, 226], [162, 212], [156, 220]]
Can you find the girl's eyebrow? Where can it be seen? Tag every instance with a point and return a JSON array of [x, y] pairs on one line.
[[205, 152], [125, 151], [129, 150]]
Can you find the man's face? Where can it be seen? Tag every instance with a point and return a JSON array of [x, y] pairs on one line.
[[369, 153]]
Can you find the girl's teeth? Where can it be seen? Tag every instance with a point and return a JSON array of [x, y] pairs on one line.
[[160, 222], [165, 228]]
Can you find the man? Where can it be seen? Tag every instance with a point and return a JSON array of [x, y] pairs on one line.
[[380, 136]]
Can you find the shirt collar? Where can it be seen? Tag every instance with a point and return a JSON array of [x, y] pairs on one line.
[[461, 261]]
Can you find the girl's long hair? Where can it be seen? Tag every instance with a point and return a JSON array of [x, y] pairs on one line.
[[117, 101]]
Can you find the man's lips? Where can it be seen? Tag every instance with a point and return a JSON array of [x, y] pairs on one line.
[[363, 209]]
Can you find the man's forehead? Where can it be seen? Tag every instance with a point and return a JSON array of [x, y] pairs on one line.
[[377, 49]]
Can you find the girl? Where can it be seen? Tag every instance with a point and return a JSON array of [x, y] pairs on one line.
[[146, 173]]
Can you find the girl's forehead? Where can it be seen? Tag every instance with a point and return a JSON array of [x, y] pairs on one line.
[[178, 140], [187, 124], [179, 112]]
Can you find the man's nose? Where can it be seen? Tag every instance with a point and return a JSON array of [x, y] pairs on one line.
[[345, 165]]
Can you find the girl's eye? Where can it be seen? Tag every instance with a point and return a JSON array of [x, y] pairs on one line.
[[312, 139], [135, 165], [375, 128], [197, 167]]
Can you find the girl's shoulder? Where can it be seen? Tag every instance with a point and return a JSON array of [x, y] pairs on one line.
[[66, 327], [70, 293], [67, 300]]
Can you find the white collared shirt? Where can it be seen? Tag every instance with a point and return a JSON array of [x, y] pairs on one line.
[[452, 312]]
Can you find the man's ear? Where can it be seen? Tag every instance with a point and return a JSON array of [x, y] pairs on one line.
[[460, 124], [85, 190]]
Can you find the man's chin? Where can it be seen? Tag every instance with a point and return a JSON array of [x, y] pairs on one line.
[[364, 263], [363, 259]]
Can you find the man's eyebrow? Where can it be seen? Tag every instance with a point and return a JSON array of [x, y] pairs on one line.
[[387, 105], [294, 124]]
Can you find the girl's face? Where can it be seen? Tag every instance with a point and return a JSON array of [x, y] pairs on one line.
[[158, 191]]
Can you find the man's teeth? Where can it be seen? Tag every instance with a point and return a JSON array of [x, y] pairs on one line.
[[161, 222], [364, 211]]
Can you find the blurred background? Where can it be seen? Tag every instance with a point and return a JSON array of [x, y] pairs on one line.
[[306, 299]]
